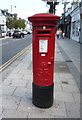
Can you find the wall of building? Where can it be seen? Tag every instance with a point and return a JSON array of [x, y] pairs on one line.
[[81, 25], [75, 25], [2, 25]]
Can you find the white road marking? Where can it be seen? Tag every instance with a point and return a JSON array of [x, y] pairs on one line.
[[12, 40], [17, 39], [9, 42], [4, 43]]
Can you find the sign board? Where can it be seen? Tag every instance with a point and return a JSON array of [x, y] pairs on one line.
[[43, 45]]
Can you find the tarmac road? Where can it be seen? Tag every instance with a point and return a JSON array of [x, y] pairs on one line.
[[10, 47]]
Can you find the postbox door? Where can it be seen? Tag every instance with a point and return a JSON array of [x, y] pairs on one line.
[[43, 54]]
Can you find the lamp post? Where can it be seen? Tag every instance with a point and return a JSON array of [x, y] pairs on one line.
[[80, 24], [64, 22], [12, 8], [52, 6]]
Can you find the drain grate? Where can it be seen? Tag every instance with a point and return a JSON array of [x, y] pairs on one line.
[[64, 82], [68, 61]]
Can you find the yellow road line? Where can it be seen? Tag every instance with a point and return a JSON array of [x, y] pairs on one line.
[[13, 59]]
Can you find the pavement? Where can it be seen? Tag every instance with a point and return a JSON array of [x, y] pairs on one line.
[[16, 85]]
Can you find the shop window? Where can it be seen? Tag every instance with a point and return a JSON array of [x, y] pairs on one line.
[[74, 25]]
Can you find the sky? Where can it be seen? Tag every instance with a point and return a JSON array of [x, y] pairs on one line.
[[26, 8]]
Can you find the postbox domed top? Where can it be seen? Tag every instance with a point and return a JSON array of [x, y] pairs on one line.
[[44, 17]]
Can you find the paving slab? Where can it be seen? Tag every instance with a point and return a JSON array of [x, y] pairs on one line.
[[0, 78], [28, 76], [70, 88], [9, 113], [77, 97], [16, 82], [64, 96], [73, 110], [25, 72], [69, 81], [61, 67], [10, 102], [57, 78], [58, 87], [8, 90], [15, 76], [7, 81], [0, 89], [66, 75], [58, 109], [26, 104], [0, 106], [21, 92]]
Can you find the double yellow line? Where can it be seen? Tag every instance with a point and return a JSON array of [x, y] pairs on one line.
[[13, 58]]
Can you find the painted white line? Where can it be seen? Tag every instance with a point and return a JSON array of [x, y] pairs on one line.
[[4, 43], [16, 39], [10, 42], [4, 38]]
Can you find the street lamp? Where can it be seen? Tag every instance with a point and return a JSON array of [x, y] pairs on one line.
[[63, 15], [52, 4], [11, 8]]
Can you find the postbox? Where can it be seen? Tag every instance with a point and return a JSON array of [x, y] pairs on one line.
[[43, 44]]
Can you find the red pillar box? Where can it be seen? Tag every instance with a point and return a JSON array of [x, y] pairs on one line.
[[44, 27]]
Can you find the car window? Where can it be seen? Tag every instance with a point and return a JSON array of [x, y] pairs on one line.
[[17, 31]]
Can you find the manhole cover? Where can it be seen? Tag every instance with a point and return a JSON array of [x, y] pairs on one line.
[[68, 60], [64, 82]]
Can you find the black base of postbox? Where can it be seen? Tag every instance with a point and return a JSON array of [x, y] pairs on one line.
[[42, 96]]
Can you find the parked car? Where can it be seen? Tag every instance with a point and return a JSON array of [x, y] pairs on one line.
[[18, 34], [12, 32], [3, 34], [9, 33], [25, 32], [29, 31]]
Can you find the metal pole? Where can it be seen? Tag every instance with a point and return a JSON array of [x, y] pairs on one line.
[[11, 9], [80, 23], [54, 7], [64, 11]]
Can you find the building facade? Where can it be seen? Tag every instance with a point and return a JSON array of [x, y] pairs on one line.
[[75, 22], [81, 22], [2, 24], [3, 15], [68, 23], [72, 22]]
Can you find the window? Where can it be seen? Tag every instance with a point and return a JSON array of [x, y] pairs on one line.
[[74, 24]]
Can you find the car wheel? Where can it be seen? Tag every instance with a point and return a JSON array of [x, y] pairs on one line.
[[20, 36]]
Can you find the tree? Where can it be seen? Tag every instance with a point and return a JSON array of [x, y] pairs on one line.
[[13, 22], [9, 22], [21, 23]]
